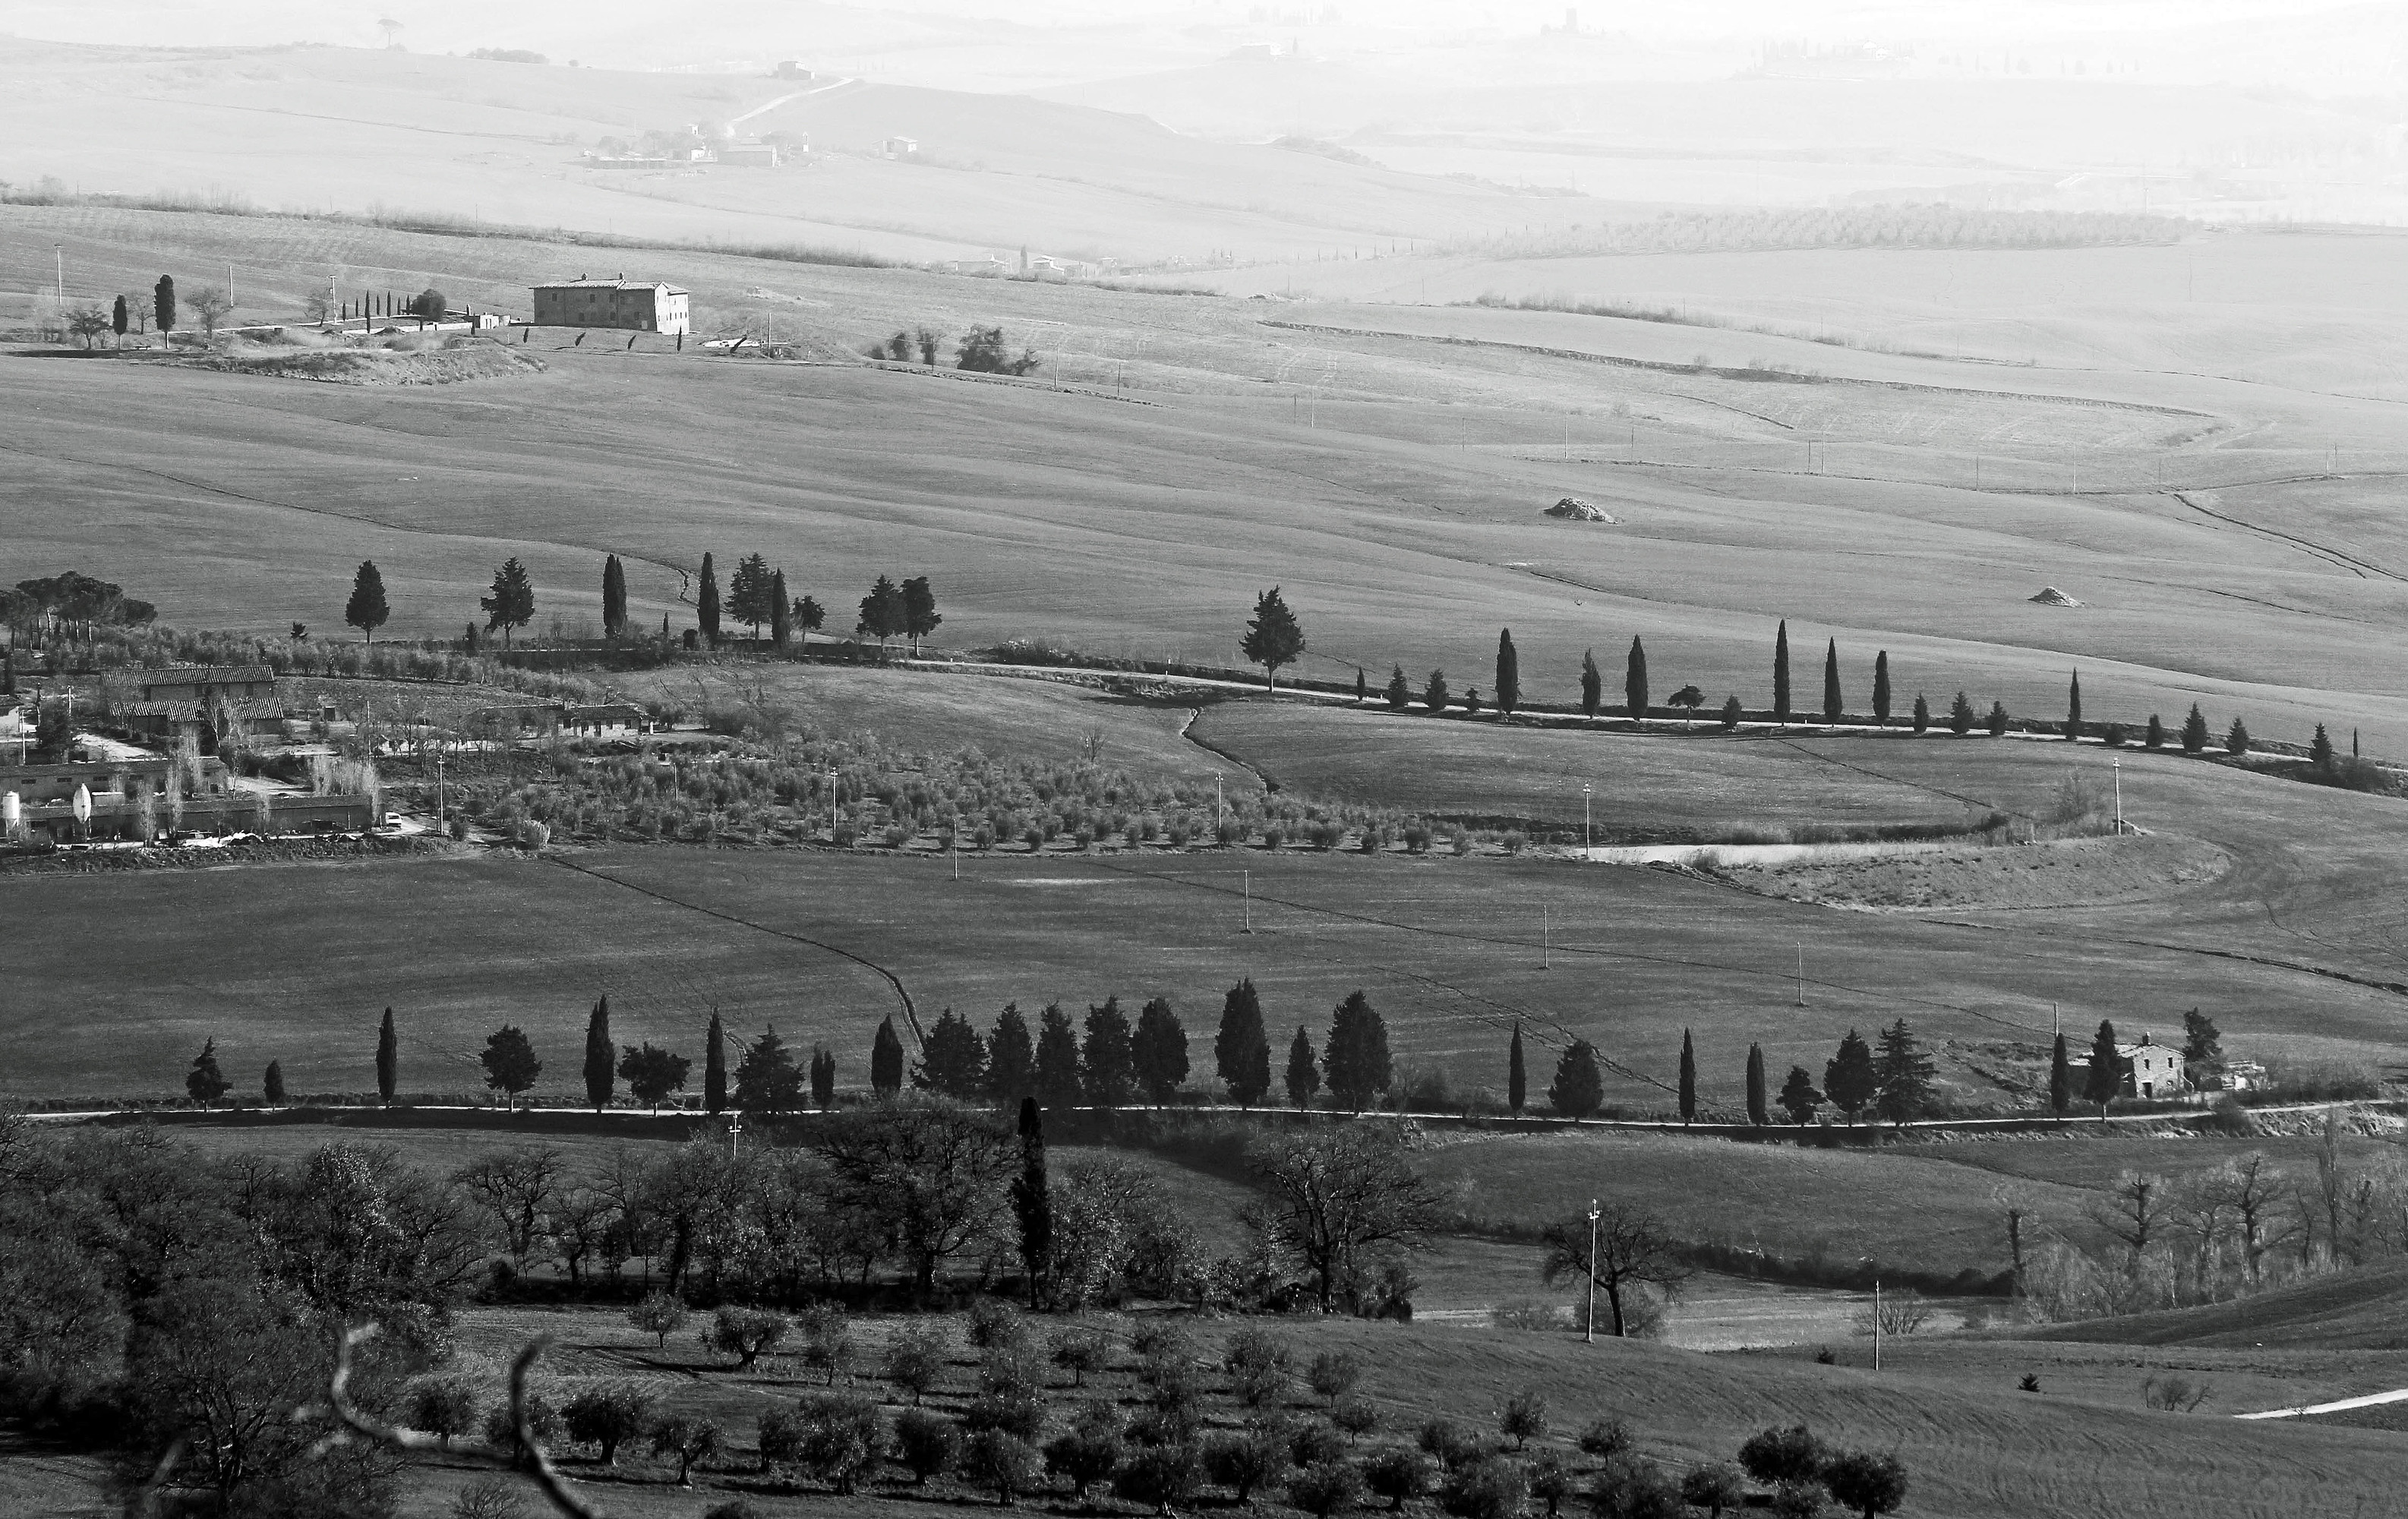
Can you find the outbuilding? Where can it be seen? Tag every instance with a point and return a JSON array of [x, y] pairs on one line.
[[636, 306]]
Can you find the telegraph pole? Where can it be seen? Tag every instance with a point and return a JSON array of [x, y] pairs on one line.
[[1586, 847], [1588, 1328], [1247, 879]]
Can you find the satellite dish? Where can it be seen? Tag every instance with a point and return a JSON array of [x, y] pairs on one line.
[[83, 803]]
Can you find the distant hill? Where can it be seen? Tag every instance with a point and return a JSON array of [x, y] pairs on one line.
[[2363, 1310]]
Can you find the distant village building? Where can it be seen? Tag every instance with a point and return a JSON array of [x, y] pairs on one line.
[[210, 682], [2151, 1069], [902, 147], [638, 306], [790, 69], [751, 155]]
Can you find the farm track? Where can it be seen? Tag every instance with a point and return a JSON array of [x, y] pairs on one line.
[[2360, 568]]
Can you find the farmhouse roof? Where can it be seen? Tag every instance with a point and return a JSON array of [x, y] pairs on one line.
[[622, 282], [175, 675]]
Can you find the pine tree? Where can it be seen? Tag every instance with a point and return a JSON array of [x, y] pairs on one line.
[[1688, 1079], [2320, 752], [1634, 681], [1355, 1061], [2236, 739], [1592, 686], [749, 593], [2073, 708], [1434, 693], [1781, 674], [1158, 1050], [823, 1077], [882, 611], [1303, 1076], [952, 1060], [1108, 1057], [1058, 1083], [1578, 1089], [1399, 694], [1881, 688], [919, 610], [205, 1081], [705, 603], [714, 1067], [2105, 1077], [2060, 1079], [1922, 714], [511, 602], [388, 1060], [1759, 1112], [1241, 1052], [1848, 1077], [1799, 1098], [1508, 675], [1831, 703], [1996, 721], [509, 1062], [1517, 1080], [782, 612], [614, 598], [810, 617], [1011, 1059], [1273, 638], [367, 610], [271, 1086], [1905, 1074], [2194, 731], [601, 1056], [2155, 737], [1732, 712], [1032, 1202], [766, 1081], [1961, 715], [886, 1058]]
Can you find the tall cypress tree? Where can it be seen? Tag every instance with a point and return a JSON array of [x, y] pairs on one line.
[[1356, 1061], [886, 1060], [1517, 1080], [1781, 674], [1057, 1082], [714, 1067], [1241, 1051], [614, 597], [1831, 681], [823, 1077], [1011, 1059], [367, 610], [2105, 1077], [1688, 1079], [1759, 1109], [2060, 1080], [705, 604], [1032, 1202], [1592, 686], [1508, 674], [388, 1062], [1881, 688], [271, 1086], [782, 612], [1158, 1050], [1303, 1076], [2073, 708], [601, 1064], [1634, 681], [1362, 686]]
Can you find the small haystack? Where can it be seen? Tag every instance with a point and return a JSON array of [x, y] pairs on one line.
[[1575, 509], [2051, 597]]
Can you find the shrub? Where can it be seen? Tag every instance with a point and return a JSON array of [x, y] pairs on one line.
[[1605, 1437], [1869, 1483], [444, 1406], [1086, 1455], [1527, 1314], [2115, 736], [1313, 1441], [1798, 1500], [1460, 841], [1330, 1487], [1021, 1414], [827, 1339], [1449, 1442], [1713, 1488], [996, 1325], [1157, 1341], [841, 1437], [1731, 714], [1551, 1480], [1254, 1349], [2156, 734], [489, 1498], [1399, 1475], [1515, 841], [926, 1444]]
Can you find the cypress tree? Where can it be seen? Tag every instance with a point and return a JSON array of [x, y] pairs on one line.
[[1592, 686], [614, 598], [1881, 688], [1517, 1080], [2060, 1080], [367, 610], [1362, 686], [705, 604], [1688, 1079], [118, 319], [886, 1060], [952, 1060], [1011, 1058], [714, 1067], [2073, 708], [1032, 1202], [1848, 1078], [163, 303], [823, 1077], [1355, 1061], [204, 1081], [1759, 1109], [1158, 1050], [782, 612], [1634, 681], [2320, 752], [2105, 1076], [1399, 694], [1107, 1055], [1781, 674], [1303, 1076], [388, 1059], [2194, 731], [1241, 1051], [1057, 1083], [272, 1086], [1578, 1090], [1922, 714], [1832, 704], [601, 1066], [2155, 737], [1508, 675]]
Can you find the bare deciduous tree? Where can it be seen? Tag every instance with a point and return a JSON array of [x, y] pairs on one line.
[[1335, 1193], [1632, 1249]]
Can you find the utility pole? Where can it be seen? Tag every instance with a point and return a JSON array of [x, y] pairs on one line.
[[1547, 937], [1247, 878], [59, 257], [1588, 1327], [1801, 974], [1586, 848], [2119, 797], [1220, 810], [735, 1130], [831, 781], [1877, 1323]]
